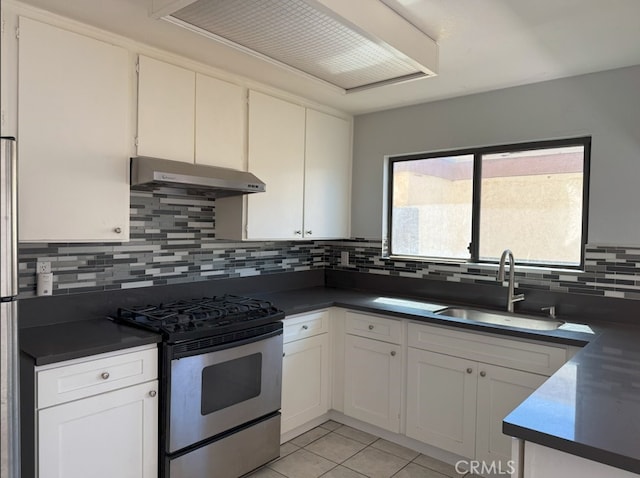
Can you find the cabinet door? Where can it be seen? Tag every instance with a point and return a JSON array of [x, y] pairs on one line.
[[305, 381], [441, 401], [373, 382], [74, 105], [166, 110], [500, 390], [327, 178], [543, 462], [108, 435], [220, 123], [276, 156]]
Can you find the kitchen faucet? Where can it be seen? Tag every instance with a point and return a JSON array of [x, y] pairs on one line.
[[511, 297]]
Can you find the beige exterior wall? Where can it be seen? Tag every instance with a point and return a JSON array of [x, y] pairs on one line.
[[539, 217]]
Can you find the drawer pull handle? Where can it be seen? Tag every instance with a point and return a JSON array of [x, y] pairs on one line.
[[393, 353], [469, 370], [370, 327], [483, 374], [105, 375], [305, 327], [152, 393]]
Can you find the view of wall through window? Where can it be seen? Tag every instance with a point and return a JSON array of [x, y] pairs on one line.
[[528, 200], [432, 202]]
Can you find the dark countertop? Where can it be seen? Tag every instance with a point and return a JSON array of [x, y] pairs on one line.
[[304, 300], [70, 340], [589, 408]]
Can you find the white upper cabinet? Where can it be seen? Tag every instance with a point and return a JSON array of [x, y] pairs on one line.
[[220, 123], [166, 110], [327, 179], [74, 131], [190, 117], [304, 157], [276, 156]]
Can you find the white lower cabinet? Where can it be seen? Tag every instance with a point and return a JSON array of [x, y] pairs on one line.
[[500, 391], [373, 371], [456, 402], [458, 405], [441, 401], [108, 435], [98, 416], [305, 369], [542, 462]]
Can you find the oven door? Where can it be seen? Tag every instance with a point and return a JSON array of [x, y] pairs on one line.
[[225, 387]]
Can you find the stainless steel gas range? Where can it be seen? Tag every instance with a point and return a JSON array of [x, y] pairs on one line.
[[221, 370]]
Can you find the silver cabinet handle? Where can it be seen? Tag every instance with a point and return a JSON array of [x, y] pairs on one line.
[[393, 353], [152, 393], [308, 233], [370, 327], [105, 375], [117, 230], [483, 374], [298, 233], [305, 327], [469, 370]]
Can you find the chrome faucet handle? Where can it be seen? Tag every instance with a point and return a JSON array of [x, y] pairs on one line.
[[551, 309]]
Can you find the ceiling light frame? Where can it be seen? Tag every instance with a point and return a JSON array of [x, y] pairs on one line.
[[379, 24]]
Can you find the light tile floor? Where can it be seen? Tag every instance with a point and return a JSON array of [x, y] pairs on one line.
[[333, 450]]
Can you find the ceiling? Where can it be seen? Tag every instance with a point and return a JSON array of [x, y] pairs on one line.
[[483, 45]]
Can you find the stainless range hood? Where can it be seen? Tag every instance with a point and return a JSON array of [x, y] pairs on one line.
[[155, 174]]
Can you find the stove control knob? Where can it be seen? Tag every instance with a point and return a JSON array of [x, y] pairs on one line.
[[104, 375], [152, 393]]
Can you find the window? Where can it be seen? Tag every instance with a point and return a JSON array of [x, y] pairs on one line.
[[472, 204]]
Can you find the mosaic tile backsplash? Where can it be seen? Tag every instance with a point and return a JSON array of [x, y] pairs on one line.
[[173, 241]]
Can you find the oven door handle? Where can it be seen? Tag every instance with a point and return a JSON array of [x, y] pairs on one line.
[[177, 352]]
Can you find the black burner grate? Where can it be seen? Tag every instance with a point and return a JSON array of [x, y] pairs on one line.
[[192, 318]]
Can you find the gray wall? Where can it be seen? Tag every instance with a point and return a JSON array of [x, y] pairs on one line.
[[605, 105]]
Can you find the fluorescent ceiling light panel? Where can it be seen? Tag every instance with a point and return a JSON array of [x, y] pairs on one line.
[[351, 44]]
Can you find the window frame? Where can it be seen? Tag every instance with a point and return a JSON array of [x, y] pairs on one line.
[[476, 206]]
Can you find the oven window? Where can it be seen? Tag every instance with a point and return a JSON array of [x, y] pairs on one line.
[[231, 382]]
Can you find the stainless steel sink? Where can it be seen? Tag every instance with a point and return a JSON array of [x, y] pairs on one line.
[[502, 318]]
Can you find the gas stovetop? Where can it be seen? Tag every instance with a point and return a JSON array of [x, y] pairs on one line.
[[197, 318]]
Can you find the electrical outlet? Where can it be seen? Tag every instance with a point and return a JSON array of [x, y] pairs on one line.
[[43, 267], [344, 258]]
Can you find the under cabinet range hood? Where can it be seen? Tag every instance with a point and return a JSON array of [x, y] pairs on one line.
[[350, 45], [152, 174]]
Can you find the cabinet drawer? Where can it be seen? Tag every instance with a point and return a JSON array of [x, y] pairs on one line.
[[374, 327], [68, 382], [306, 325], [521, 355]]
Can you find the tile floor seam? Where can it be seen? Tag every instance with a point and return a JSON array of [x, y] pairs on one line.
[[354, 470], [318, 454]]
